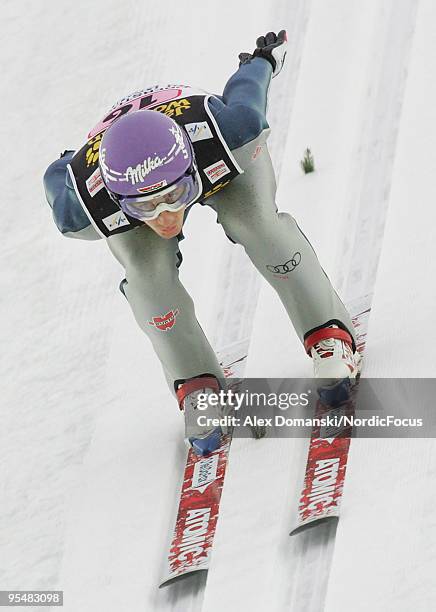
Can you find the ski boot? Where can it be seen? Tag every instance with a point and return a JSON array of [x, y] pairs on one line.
[[331, 349], [192, 395]]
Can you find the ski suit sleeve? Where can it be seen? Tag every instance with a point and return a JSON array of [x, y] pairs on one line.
[[241, 111], [69, 216]]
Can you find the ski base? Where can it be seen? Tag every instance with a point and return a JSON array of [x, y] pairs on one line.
[[327, 458], [325, 471], [198, 513], [315, 522], [203, 481]]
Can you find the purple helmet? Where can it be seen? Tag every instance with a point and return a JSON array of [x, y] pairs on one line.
[[147, 164]]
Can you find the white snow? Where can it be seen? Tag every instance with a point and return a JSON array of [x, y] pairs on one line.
[[91, 442]]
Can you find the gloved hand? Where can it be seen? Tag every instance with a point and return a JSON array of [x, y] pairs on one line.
[[272, 47]]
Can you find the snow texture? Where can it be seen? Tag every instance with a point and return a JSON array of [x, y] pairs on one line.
[[92, 452]]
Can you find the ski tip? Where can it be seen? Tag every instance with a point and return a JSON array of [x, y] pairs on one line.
[[173, 578], [314, 523]]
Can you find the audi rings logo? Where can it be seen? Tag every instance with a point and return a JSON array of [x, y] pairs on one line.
[[288, 266]]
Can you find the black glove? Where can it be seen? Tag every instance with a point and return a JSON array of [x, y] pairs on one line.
[[272, 47]]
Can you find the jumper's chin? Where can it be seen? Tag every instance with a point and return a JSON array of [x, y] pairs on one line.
[[168, 225], [171, 233]]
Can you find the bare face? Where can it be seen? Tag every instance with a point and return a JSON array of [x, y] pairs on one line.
[[167, 224]]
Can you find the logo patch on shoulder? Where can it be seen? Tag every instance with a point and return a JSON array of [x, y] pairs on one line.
[[198, 131], [216, 171], [94, 183], [165, 322], [116, 220]]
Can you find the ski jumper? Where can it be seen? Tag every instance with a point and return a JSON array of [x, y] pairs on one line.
[[239, 184]]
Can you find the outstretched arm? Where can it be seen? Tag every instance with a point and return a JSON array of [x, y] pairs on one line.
[[241, 111]]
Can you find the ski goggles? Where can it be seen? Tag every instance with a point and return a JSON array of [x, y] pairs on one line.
[[173, 198]]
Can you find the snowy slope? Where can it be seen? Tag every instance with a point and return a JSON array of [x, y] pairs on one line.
[[389, 513], [372, 230], [91, 442]]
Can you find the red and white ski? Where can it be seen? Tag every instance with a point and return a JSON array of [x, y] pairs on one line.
[[327, 458], [200, 497]]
